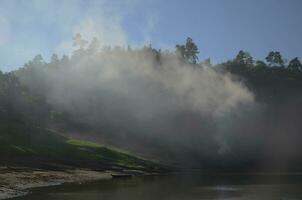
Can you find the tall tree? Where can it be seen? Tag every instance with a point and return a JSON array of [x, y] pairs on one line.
[[180, 52], [295, 65], [188, 52], [64, 59], [37, 61], [79, 41], [244, 58], [260, 64], [274, 59], [54, 59], [191, 51]]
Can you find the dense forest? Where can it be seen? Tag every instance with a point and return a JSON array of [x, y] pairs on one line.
[[162, 104]]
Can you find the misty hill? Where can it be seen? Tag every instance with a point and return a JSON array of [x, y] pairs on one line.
[[165, 105], [25, 141]]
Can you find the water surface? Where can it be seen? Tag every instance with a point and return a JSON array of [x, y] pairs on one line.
[[180, 187]]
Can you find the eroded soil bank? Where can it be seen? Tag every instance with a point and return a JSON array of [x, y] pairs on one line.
[[17, 181]]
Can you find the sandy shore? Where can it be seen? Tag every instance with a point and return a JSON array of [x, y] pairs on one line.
[[17, 181]]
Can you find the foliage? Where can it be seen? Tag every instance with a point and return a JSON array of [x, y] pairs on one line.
[[18, 105], [275, 59], [188, 52]]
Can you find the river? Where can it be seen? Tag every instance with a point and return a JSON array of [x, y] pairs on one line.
[[179, 187]]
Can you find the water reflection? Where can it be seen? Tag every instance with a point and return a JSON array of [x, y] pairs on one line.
[[180, 187]]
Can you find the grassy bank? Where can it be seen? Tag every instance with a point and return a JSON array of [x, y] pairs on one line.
[[44, 148]]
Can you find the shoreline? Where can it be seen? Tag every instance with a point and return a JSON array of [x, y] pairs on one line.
[[16, 182]]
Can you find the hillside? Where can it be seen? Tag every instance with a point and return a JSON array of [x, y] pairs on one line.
[[36, 147]]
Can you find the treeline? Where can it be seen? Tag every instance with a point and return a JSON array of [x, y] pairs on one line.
[[24, 91], [272, 80], [258, 74], [242, 64], [18, 105]]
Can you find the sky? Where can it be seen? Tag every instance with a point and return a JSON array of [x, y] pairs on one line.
[[219, 28]]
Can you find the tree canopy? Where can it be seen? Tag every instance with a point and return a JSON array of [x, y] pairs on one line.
[[188, 52]]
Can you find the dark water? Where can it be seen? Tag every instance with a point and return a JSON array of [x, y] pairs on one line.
[[179, 187]]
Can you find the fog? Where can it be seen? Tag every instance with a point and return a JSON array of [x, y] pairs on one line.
[[132, 99]]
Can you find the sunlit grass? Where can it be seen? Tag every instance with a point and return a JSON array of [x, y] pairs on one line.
[[49, 144], [83, 143]]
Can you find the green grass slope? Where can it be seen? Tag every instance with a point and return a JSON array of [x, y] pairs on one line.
[[22, 145]]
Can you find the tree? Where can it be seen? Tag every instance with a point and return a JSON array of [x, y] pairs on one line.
[[244, 58], [79, 41], [180, 52], [295, 65], [188, 52], [156, 54], [36, 61], [64, 59], [54, 59], [191, 51], [274, 59], [260, 67], [260, 64]]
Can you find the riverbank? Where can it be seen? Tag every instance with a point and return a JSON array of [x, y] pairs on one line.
[[16, 182]]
